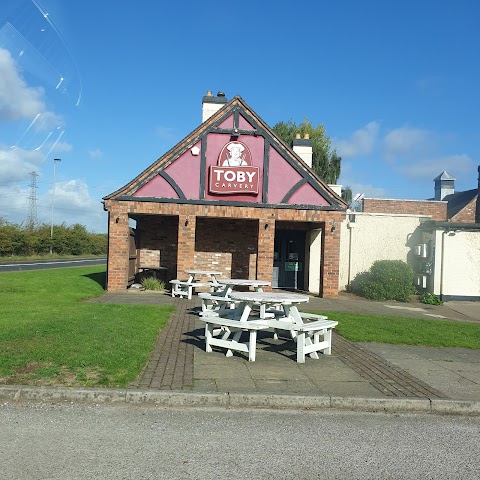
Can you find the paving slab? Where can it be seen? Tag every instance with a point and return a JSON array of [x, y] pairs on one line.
[[355, 372]]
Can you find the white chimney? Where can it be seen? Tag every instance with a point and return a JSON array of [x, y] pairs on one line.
[[444, 185], [303, 148], [211, 104], [337, 189]]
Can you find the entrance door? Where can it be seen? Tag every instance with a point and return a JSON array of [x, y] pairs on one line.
[[289, 259]]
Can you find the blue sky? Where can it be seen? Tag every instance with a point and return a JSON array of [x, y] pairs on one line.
[[118, 83]]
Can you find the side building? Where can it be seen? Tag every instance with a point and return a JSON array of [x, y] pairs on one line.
[[439, 237]]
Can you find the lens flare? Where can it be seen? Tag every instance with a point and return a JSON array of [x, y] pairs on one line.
[[40, 85]]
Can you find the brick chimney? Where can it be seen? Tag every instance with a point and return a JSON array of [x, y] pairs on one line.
[[211, 104], [303, 148], [444, 185], [477, 210]]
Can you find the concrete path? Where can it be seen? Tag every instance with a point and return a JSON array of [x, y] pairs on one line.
[[356, 375]]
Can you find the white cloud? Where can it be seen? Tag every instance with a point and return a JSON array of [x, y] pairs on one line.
[[408, 143], [96, 153], [370, 191], [16, 164], [17, 100], [361, 142], [74, 204], [459, 166], [62, 147]]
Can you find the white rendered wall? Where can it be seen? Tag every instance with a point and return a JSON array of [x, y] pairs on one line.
[[375, 237], [313, 254], [457, 263]]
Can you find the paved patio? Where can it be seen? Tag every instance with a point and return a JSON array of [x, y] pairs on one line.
[[179, 361]]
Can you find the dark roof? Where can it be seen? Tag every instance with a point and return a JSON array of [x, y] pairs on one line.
[[458, 201]]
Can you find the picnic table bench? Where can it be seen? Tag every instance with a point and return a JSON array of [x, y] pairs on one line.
[[185, 288], [311, 332], [227, 327]]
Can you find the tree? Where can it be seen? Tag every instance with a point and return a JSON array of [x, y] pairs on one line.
[[326, 163], [347, 195]]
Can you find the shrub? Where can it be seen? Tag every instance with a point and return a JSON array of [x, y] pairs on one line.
[[386, 280], [152, 283], [429, 298]]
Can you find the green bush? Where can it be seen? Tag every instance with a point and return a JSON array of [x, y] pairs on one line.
[[152, 283], [386, 280], [429, 298]]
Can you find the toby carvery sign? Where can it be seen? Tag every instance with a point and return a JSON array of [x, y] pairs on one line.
[[234, 172]]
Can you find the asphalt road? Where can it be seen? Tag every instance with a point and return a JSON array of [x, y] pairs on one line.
[[71, 441], [44, 264]]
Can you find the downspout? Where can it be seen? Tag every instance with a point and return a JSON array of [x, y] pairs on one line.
[[350, 225], [442, 262]]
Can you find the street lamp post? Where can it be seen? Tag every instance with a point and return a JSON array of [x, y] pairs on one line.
[[55, 160]]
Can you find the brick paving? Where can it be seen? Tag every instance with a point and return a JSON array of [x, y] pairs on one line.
[[389, 379], [172, 367]]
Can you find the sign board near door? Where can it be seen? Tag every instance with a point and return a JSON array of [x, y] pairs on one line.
[[293, 266]]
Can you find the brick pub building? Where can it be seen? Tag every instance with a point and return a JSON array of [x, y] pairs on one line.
[[231, 197]]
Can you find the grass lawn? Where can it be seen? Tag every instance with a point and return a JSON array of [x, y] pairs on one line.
[[406, 330], [49, 336]]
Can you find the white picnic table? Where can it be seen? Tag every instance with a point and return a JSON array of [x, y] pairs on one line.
[[203, 273], [215, 301], [186, 287], [230, 283], [243, 318]]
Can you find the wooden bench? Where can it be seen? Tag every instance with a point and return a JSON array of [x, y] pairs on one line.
[[227, 327], [307, 335], [213, 303], [184, 288]]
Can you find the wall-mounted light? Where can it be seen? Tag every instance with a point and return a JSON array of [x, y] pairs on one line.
[[186, 221], [117, 219], [266, 226], [333, 226]]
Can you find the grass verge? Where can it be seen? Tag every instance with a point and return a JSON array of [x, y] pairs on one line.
[[49, 335], [406, 330]]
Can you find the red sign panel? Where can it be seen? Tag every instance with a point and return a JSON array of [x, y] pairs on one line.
[[234, 172]]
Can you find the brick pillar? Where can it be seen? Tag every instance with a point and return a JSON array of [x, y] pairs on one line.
[[186, 244], [266, 241], [331, 258], [117, 272]]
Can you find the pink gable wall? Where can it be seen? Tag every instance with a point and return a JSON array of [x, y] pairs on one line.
[[156, 187], [185, 172], [227, 123], [282, 177], [215, 143], [243, 124], [307, 195]]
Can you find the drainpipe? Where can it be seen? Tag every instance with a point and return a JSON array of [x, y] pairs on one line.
[[350, 226], [444, 233]]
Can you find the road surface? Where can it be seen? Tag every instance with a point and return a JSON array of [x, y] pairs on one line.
[[68, 441], [44, 264]]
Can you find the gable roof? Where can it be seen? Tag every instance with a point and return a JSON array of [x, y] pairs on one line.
[[305, 184], [458, 201]]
